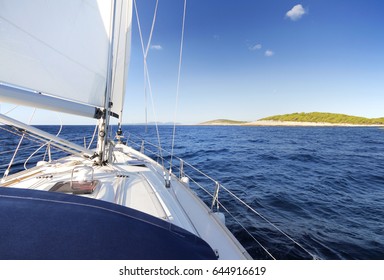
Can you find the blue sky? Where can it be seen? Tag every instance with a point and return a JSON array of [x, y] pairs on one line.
[[249, 59]]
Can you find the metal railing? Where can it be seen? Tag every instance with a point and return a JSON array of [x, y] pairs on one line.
[[216, 196], [31, 151]]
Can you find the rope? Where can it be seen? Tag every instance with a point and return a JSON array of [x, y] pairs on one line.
[[178, 84], [152, 28], [249, 207], [17, 148], [145, 70], [241, 202], [47, 143], [248, 232], [93, 136], [265, 219], [147, 81]]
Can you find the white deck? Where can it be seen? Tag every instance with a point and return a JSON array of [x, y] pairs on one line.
[[136, 181]]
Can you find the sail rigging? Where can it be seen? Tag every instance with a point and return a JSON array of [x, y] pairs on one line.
[[72, 56]]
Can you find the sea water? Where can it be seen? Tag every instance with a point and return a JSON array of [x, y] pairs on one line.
[[322, 186]]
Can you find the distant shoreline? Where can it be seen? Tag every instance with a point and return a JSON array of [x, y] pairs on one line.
[[291, 123], [286, 123], [305, 119]]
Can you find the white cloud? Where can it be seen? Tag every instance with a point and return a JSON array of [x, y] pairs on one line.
[[296, 12], [269, 53], [255, 47], [156, 47]]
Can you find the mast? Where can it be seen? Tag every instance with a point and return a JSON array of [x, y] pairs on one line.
[[104, 121]]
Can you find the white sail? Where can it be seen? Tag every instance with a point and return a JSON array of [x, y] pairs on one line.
[[121, 53], [61, 47]]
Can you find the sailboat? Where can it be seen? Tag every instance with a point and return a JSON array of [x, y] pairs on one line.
[[111, 202]]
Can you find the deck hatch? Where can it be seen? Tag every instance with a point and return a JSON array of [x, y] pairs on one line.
[[75, 187]]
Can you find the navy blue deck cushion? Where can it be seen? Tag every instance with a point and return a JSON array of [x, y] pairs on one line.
[[47, 225]]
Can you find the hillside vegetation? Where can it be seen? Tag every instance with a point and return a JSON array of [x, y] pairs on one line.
[[223, 122], [325, 118]]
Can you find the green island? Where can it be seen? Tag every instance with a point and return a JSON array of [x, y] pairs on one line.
[[318, 117], [314, 118], [223, 122]]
